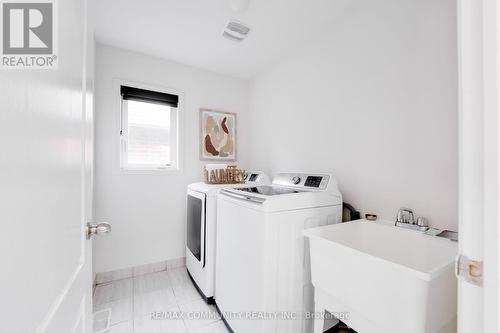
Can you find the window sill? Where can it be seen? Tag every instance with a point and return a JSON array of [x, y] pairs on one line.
[[159, 172]]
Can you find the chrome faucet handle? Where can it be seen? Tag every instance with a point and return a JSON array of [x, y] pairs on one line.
[[411, 217], [399, 217]]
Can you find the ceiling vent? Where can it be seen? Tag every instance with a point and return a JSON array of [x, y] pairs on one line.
[[236, 31]]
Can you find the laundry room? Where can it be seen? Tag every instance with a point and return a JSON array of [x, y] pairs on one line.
[[247, 166]]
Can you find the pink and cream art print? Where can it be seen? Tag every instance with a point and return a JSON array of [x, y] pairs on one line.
[[217, 135]]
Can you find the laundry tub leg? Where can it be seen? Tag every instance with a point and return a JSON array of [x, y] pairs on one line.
[[319, 319]]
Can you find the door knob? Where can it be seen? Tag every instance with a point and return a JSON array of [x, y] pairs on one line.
[[97, 229]]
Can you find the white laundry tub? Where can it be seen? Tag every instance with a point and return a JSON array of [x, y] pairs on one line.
[[384, 278]]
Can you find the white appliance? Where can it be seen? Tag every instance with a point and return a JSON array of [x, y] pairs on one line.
[[263, 272], [380, 269], [201, 232]]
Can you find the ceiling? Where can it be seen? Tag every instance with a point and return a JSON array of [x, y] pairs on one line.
[[190, 31]]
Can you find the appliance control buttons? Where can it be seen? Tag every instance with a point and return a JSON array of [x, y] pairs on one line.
[[296, 180], [253, 177], [313, 181]]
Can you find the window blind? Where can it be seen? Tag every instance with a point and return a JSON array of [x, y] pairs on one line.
[[142, 95]]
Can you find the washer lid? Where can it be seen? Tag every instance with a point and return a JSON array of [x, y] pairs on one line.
[[289, 191], [279, 198], [270, 190]]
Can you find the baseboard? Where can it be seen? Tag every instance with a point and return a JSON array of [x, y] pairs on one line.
[[125, 273]]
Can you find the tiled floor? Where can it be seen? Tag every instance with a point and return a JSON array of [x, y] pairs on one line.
[[168, 294]]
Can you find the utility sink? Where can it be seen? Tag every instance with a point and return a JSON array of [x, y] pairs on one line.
[[382, 278]]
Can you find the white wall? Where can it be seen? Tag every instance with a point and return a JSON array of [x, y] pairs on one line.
[[147, 212], [374, 103]]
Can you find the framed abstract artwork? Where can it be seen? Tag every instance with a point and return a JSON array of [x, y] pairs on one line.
[[217, 135]]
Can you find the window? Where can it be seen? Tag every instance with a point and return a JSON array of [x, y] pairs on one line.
[[149, 130]]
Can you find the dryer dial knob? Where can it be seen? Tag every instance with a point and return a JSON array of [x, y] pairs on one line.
[[296, 180]]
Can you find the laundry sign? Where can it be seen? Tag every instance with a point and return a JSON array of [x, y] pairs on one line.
[[28, 34]]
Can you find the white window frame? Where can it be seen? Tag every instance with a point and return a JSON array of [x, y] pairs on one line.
[[176, 132]]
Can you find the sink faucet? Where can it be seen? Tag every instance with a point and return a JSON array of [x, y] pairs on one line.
[[405, 215], [406, 219]]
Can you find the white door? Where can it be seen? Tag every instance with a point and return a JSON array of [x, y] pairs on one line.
[[45, 187], [478, 24]]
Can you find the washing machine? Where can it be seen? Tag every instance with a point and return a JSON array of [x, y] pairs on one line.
[[263, 271], [201, 230]]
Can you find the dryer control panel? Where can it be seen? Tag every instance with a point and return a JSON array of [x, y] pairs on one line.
[[251, 177], [256, 176]]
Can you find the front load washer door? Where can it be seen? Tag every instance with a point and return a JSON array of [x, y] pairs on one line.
[[195, 230]]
